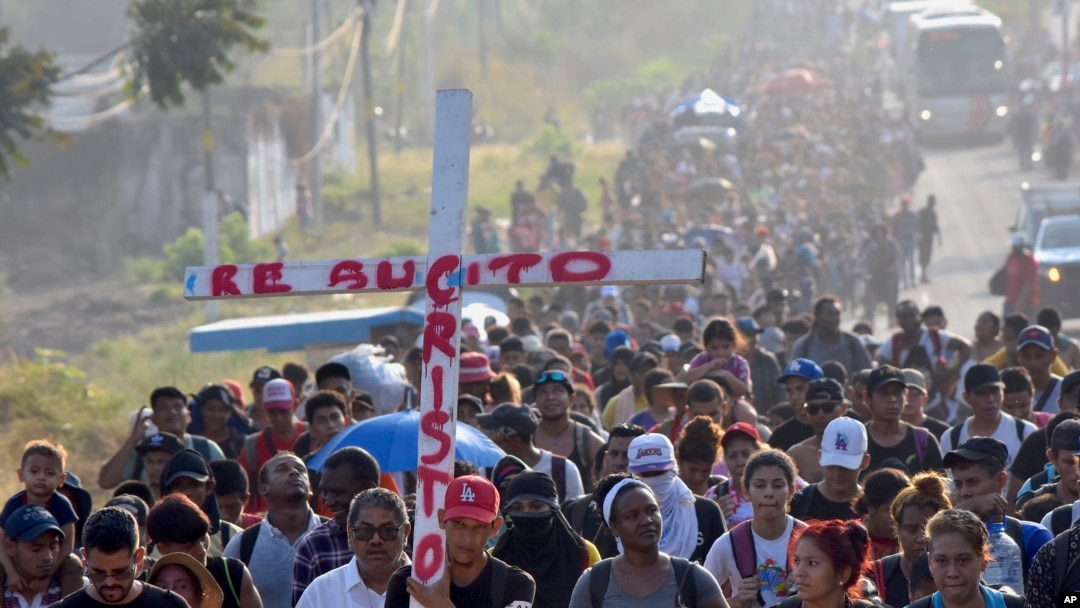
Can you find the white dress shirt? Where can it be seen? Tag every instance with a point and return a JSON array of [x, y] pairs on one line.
[[343, 588]]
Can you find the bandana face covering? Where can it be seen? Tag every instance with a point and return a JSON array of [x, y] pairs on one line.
[[532, 526]]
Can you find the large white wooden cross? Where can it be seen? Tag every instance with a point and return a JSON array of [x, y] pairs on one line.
[[442, 275]]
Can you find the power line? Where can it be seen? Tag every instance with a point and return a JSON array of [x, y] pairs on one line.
[[340, 103], [325, 42]]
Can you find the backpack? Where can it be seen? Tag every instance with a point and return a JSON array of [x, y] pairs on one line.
[[1066, 575], [922, 436], [251, 449], [954, 432], [884, 570], [1011, 601], [1061, 519], [917, 357], [742, 547], [685, 595], [250, 535]]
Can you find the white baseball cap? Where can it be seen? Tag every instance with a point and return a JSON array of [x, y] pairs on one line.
[[844, 444], [651, 452], [670, 343]]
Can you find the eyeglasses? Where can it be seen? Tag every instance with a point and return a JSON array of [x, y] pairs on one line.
[[552, 376], [366, 533], [120, 576], [812, 408]]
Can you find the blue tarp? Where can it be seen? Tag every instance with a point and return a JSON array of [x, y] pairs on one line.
[[283, 333]]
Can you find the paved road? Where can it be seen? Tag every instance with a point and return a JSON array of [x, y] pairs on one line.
[[978, 193]]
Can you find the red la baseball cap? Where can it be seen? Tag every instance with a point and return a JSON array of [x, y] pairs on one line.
[[471, 497], [740, 428]]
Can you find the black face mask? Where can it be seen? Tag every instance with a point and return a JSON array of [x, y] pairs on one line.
[[532, 525]]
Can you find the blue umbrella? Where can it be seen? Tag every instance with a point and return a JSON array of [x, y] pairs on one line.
[[391, 439]]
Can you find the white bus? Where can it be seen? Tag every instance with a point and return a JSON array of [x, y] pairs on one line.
[[955, 80], [896, 19]]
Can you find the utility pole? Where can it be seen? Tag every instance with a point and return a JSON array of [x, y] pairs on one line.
[[315, 165], [210, 200], [400, 110], [1066, 74], [429, 78], [369, 118]]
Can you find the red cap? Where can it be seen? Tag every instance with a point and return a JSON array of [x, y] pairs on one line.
[[471, 497], [743, 428]]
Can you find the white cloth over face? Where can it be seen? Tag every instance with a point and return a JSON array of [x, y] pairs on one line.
[[680, 535]]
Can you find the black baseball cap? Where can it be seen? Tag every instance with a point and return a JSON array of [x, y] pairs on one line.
[[519, 418], [977, 449], [980, 376], [165, 442], [264, 374], [185, 463], [1070, 380], [884, 375], [132, 504], [825, 389]]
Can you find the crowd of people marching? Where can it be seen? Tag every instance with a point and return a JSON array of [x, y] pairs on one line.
[[721, 445]]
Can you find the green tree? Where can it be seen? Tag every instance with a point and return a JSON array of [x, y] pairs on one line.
[[178, 41], [25, 81]]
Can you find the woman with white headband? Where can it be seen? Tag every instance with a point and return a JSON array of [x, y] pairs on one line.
[[641, 576]]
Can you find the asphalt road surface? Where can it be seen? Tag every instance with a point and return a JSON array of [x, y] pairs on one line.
[[978, 194]]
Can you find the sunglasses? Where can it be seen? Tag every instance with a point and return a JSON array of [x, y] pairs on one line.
[[813, 409], [97, 576], [366, 533], [552, 376]]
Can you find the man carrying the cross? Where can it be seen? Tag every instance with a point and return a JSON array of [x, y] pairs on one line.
[[473, 578]]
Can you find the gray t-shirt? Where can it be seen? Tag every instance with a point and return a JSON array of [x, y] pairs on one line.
[[707, 590]]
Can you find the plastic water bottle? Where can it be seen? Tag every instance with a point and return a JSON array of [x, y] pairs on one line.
[[1006, 565]]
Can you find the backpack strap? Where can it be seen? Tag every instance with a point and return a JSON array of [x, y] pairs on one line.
[[247, 543], [1019, 430], [251, 453], [558, 475], [581, 438], [921, 437], [499, 573], [1013, 601], [879, 579], [924, 602], [201, 445], [598, 582], [577, 514], [685, 595], [268, 438], [742, 549], [896, 348], [935, 341], [231, 565], [1060, 519], [954, 435], [1045, 396], [798, 527]]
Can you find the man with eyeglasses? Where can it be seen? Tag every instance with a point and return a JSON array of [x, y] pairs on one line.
[[824, 403], [378, 527], [269, 548], [557, 431], [347, 472], [112, 555]]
